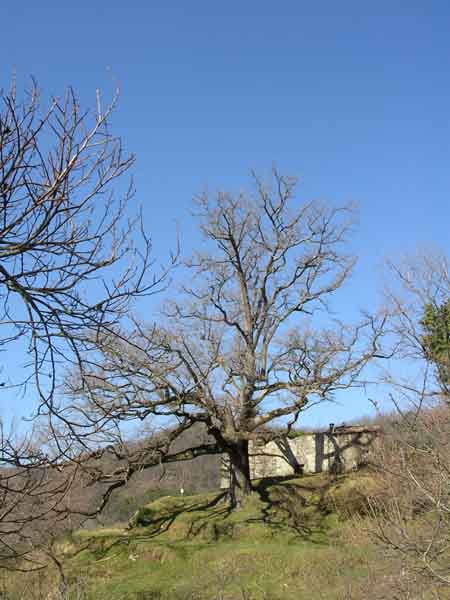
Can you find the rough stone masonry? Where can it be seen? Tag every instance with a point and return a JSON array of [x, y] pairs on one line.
[[338, 449]]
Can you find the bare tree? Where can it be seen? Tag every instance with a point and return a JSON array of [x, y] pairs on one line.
[[411, 512], [250, 340], [69, 269]]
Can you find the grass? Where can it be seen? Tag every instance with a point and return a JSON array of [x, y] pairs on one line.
[[291, 540]]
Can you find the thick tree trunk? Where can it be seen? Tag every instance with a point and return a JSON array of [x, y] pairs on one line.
[[240, 482]]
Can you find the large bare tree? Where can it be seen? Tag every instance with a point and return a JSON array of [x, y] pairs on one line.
[[248, 341]]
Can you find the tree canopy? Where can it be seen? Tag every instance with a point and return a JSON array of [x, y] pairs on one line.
[[247, 340]]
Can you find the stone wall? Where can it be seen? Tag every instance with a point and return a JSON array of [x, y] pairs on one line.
[[338, 449]]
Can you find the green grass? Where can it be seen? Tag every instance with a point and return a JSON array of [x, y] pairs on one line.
[[289, 541]]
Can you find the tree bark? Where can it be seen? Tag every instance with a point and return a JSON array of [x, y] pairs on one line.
[[240, 482]]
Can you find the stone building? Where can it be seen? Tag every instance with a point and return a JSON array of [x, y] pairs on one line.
[[338, 449]]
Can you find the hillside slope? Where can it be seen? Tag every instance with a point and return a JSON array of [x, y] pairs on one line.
[[293, 539]]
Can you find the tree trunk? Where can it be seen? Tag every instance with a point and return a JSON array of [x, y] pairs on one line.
[[240, 482]]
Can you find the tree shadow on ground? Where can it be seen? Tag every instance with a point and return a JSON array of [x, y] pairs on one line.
[[151, 528], [289, 503], [156, 526]]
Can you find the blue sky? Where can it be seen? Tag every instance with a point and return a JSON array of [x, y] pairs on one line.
[[352, 97]]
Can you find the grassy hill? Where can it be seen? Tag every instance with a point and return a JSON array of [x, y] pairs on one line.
[[310, 537], [294, 538]]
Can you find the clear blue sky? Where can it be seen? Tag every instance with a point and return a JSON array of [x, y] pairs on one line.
[[353, 97]]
